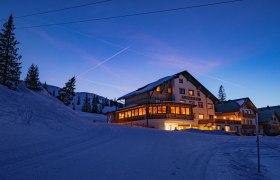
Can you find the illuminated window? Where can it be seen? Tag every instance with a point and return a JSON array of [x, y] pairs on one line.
[[144, 111], [125, 114], [210, 106], [191, 92], [159, 109], [201, 116], [136, 112], [227, 128], [155, 110], [172, 110], [218, 127], [132, 113], [129, 113], [140, 112], [177, 110], [169, 90], [163, 109], [121, 115], [158, 89], [183, 110], [150, 110], [187, 111], [200, 104], [182, 90], [180, 80]]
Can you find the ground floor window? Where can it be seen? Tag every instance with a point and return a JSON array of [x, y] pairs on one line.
[[219, 127], [227, 128], [201, 116]]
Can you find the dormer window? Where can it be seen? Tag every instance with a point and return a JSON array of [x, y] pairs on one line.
[[181, 81]]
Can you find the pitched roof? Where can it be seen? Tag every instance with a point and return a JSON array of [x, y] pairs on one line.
[[265, 113], [152, 86], [232, 105]]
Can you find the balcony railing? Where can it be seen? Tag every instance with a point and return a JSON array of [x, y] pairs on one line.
[[246, 115], [222, 121], [155, 116]]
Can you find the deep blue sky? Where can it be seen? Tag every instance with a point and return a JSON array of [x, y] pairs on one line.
[[236, 45]]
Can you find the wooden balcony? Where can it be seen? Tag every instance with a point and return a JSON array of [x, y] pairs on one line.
[[163, 110], [222, 121]]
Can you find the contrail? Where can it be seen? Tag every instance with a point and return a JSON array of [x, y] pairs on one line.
[[224, 81], [104, 61], [108, 85]]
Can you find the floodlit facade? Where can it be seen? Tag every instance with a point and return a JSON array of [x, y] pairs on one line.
[[173, 102]]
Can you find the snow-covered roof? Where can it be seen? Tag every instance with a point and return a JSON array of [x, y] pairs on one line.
[[231, 105], [265, 114], [154, 85], [148, 87]]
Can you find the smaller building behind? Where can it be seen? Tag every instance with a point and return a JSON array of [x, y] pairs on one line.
[[269, 120]]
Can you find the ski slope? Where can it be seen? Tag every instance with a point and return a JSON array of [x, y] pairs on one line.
[[57, 143]]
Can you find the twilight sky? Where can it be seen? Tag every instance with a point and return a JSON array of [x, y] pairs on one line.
[[236, 45]]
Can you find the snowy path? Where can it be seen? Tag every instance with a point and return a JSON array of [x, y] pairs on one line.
[[131, 153]]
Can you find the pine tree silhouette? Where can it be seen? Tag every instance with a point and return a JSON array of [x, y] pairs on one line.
[[9, 57], [32, 80], [67, 93]]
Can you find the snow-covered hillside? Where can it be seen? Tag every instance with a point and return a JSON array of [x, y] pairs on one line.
[[30, 108], [42, 139]]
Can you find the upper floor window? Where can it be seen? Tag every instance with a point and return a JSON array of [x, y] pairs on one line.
[[198, 93], [182, 90], [169, 90], [191, 92], [158, 89], [210, 106], [181, 81], [200, 104], [211, 116]]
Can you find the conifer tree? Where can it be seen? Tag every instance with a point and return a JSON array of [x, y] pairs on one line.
[[45, 86], [79, 100], [9, 57], [94, 104], [222, 94], [32, 80], [67, 93], [86, 104]]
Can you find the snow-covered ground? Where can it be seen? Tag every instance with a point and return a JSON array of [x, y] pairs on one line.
[[42, 139]]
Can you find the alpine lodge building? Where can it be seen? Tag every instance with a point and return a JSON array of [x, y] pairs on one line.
[[173, 102]]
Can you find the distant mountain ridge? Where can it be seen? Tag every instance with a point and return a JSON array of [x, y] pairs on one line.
[[104, 103]]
